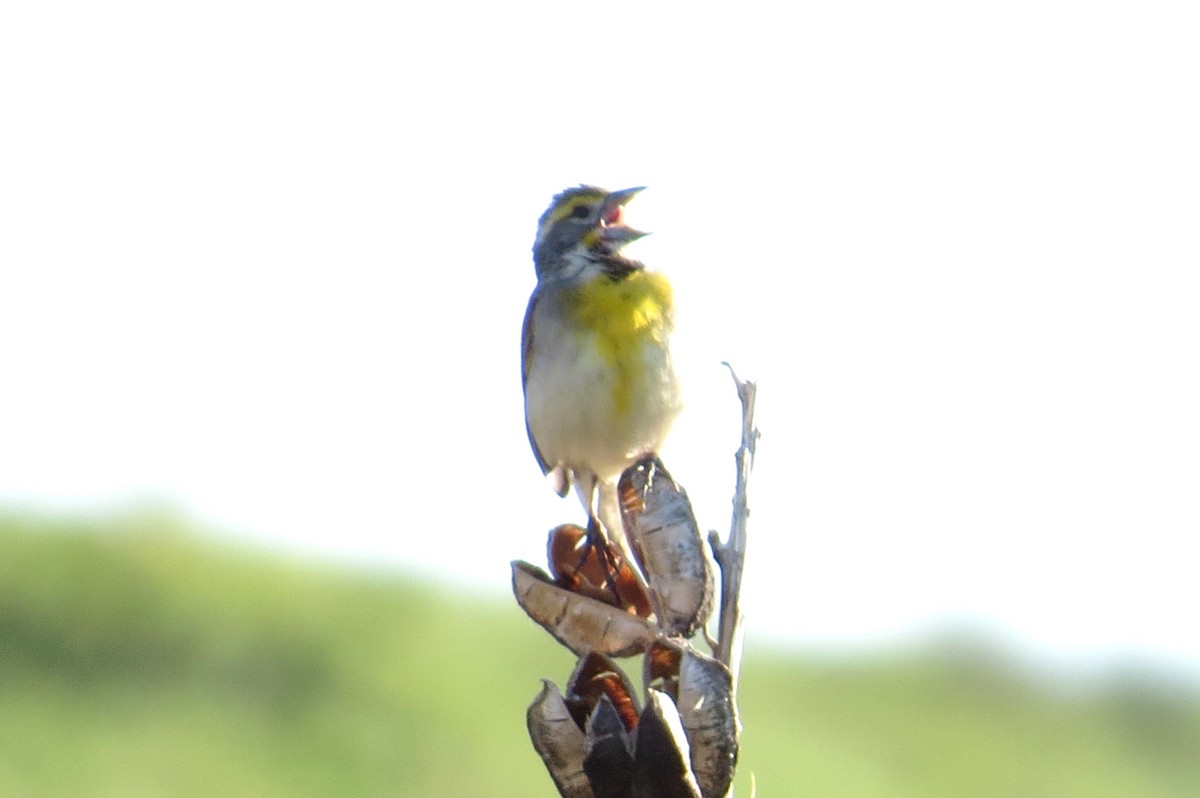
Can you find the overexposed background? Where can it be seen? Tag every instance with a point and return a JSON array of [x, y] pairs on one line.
[[268, 261]]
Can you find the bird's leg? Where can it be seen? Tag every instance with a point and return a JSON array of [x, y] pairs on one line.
[[598, 539]]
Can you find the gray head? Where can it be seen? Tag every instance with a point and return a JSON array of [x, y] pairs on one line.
[[584, 219]]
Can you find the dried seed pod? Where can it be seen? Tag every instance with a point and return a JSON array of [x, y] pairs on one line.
[[580, 623], [609, 759], [666, 541], [709, 714], [578, 564], [596, 675], [559, 741], [660, 669], [661, 767]]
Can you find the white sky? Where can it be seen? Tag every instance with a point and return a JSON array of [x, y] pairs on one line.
[[269, 261]]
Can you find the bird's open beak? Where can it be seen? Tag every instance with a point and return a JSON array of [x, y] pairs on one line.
[[613, 229]]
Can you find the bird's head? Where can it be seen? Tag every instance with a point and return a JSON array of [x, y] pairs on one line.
[[583, 223]]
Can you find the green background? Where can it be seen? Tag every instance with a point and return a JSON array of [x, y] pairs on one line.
[[138, 658]]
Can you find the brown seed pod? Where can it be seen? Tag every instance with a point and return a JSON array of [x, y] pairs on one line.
[[580, 623], [559, 741], [579, 565], [661, 767], [609, 760], [709, 714], [596, 675], [667, 544], [660, 669]]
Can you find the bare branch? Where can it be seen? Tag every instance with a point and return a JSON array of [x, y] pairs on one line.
[[731, 555]]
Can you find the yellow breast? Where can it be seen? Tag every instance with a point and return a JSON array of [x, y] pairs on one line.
[[624, 316]]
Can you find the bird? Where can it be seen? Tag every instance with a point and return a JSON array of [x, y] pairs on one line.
[[601, 391]]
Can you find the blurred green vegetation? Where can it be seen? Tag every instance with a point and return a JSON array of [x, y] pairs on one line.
[[138, 659]]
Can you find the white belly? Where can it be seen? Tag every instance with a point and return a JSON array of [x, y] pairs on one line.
[[575, 417]]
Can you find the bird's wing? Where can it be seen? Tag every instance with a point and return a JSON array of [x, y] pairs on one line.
[[560, 480]]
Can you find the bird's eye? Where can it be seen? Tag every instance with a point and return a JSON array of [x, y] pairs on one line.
[[581, 212]]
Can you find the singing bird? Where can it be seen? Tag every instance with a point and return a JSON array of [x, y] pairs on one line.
[[600, 389]]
